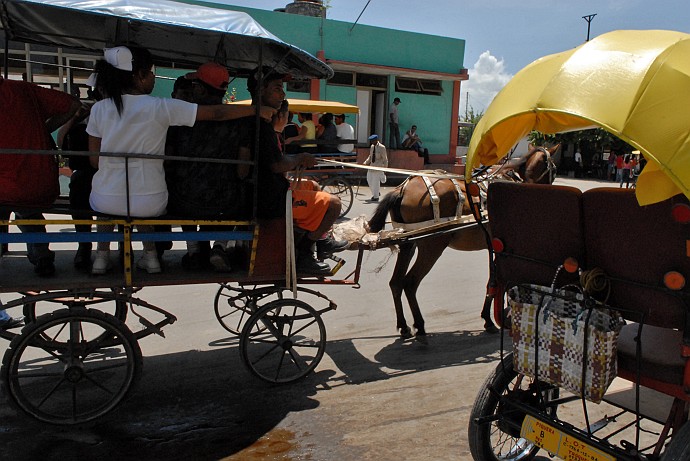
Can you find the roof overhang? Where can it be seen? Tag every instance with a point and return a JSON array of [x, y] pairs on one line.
[[398, 71]]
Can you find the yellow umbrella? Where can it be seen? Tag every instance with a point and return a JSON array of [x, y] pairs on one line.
[[307, 105], [633, 83]]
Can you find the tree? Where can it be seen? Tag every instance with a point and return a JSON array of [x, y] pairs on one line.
[[470, 120]]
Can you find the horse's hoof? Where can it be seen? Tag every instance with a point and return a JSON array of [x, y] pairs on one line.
[[422, 339], [405, 333], [491, 328]]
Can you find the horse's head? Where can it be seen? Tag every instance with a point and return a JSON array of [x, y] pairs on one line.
[[539, 167]]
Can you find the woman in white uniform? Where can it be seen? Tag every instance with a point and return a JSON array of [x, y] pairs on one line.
[[129, 120]]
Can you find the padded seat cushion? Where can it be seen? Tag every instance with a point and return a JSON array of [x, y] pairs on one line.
[[638, 244], [540, 222]]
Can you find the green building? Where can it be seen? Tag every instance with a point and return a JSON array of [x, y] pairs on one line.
[[374, 65]]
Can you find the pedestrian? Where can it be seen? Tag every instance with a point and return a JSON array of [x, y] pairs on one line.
[[394, 122], [377, 158], [578, 164], [611, 169]]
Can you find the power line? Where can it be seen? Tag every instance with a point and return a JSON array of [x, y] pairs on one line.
[[360, 15]]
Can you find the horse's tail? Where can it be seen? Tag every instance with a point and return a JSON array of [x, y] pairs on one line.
[[378, 219]]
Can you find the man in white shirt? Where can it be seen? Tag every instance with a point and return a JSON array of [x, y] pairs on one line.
[[345, 131]]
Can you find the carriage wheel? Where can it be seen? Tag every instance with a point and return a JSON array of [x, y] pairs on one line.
[[343, 190], [679, 447], [498, 437], [283, 341], [233, 306], [34, 309], [73, 377]]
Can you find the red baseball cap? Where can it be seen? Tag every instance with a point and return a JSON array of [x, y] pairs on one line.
[[212, 74]]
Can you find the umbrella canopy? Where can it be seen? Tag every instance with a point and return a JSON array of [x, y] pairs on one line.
[[308, 105], [633, 83], [175, 33]]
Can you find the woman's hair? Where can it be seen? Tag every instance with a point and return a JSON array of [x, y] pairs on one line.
[[115, 82], [326, 119]]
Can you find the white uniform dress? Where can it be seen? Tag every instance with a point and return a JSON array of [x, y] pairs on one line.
[[377, 157], [141, 129]]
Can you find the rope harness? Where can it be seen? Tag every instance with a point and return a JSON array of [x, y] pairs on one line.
[[435, 201]]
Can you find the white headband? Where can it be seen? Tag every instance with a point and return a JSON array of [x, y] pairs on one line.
[[119, 57]]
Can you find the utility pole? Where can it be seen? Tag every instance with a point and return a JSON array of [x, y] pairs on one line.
[[467, 103], [588, 18]]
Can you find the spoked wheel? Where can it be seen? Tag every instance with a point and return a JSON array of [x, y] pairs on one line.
[[343, 190], [283, 341], [234, 305], [494, 429], [71, 366], [38, 305], [34, 309]]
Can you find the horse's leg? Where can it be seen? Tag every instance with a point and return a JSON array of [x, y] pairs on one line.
[[428, 251], [396, 285], [489, 325]]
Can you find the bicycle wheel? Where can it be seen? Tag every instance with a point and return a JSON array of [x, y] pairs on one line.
[[283, 341], [73, 377], [343, 190], [498, 437]]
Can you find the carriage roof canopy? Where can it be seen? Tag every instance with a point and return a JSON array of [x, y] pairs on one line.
[[175, 33], [632, 83]]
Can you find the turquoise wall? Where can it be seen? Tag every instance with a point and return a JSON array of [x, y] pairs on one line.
[[431, 114], [375, 46], [366, 44]]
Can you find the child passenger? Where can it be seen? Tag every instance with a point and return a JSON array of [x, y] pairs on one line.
[[129, 120]]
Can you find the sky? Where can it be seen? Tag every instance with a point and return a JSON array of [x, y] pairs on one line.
[[503, 36]]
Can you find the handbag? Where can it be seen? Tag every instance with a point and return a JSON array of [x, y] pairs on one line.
[[564, 338]]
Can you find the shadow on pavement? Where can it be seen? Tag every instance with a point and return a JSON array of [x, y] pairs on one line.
[[200, 405], [410, 356]]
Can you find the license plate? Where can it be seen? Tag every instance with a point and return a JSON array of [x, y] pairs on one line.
[[560, 444]]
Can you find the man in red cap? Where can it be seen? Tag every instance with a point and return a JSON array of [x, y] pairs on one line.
[[203, 190]]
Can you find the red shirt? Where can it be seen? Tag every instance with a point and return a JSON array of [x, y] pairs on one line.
[[619, 161], [28, 180]]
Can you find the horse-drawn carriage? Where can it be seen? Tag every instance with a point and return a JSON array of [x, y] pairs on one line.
[[79, 356], [73, 365], [577, 381]]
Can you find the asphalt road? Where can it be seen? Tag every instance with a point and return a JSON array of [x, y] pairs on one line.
[[372, 397]]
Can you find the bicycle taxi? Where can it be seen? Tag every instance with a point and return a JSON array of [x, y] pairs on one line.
[[77, 359], [596, 363]]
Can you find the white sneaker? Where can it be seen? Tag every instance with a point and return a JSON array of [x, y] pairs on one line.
[[150, 262], [102, 263]]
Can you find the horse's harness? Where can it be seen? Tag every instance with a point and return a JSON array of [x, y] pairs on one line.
[[435, 201], [550, 166]]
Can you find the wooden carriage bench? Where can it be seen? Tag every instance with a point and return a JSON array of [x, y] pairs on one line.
[[644, 252]]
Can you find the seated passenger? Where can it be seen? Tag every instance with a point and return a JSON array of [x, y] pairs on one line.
[[204, 190], [28, 115], [326, 131], [412, 141], [314, 212], [307, 131], [72, 136], [129, 120]]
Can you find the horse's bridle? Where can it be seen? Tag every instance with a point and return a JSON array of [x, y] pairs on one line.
[[550, 166]]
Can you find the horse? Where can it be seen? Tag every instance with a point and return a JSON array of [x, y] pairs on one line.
[[534, 167], [410, 203]]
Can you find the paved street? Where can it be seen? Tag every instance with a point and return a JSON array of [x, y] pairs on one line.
[[373, 397]]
